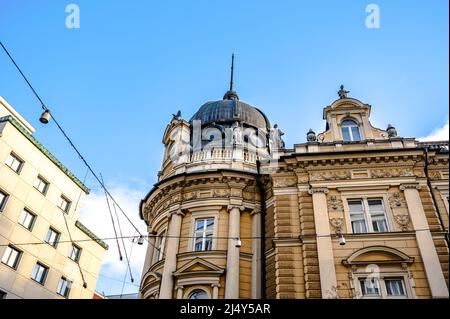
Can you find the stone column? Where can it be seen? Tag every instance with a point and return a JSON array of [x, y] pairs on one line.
[[180, 290], [256, 254], [232, 276], [328, 282], [427, 250], [170, 260], [215, 291]]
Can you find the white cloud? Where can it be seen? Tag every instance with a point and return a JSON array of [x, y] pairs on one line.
[[438, 134], [95, 215]]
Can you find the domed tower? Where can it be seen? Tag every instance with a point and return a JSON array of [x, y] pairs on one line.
[[203, 214]]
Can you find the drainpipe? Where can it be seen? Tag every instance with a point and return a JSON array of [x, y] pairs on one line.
[[262, 194], [433, 196]]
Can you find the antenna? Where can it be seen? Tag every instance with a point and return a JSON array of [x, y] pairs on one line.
[[232, 71]]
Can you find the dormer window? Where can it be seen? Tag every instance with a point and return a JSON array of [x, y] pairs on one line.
[[350, 131]]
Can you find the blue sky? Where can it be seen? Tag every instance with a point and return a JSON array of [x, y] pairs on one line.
[[114, 82]]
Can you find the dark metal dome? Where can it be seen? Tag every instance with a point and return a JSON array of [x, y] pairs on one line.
[[230, 111]]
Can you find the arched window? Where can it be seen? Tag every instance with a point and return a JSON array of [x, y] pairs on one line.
[[350, 131], [198, 294]]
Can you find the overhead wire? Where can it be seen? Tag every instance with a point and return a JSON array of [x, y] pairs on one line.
[[67, 137]]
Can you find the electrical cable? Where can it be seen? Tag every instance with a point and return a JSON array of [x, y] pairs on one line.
[[123, 243], [67, 138], [113, 224]]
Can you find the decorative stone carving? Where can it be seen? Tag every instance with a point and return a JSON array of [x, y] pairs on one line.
[[410, 186], [396, 200], [337, 224], [434, 175], [403, 220], [330, 175], [236, 192], [284, 182], [393, 172], [318, 190], [221, 193], [175, 198], [248, 195], [189, 195], [335, 203]]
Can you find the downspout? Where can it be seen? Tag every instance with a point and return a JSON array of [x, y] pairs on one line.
[[433, 196], [262, 195]]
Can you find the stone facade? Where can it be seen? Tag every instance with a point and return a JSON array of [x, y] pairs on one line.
[[355, 212]]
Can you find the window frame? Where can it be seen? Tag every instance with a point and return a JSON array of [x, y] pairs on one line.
[[33, 222], [365, 197], [160, 246], [203, 213], [55, 244], [349, 127], [17, 158], [45, 274], [17, 259], [67, 287], [4, 201], [77, 259], [382, 286], [44, 181], [204, 233], [69, 203]]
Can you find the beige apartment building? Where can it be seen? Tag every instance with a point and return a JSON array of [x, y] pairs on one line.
[[353, 212], [45, 251]]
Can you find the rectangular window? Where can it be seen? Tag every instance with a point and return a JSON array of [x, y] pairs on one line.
[[11, 257], [14, 162], [392, 288], [203, 234], [39, 273], [75, 253], [395, 287], [64, 204], [357, 217], [27, 219], [41, 185], [52, 237], [377, 215], [160, 246], [367, 215], [370, 287], [64, 287], [3, 200]]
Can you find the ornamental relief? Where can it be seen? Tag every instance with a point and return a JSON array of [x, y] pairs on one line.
[[396, 200], [248, 195], [393, 172], [374, 173], [330, 175], [189, 195], [434, 175], [335, 204], [221, 193], [284, 181], [403, 220]]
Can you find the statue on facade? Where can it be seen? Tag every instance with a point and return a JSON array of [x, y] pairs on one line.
[[276, 141], [177, 116], [342, 93], [237, 133]]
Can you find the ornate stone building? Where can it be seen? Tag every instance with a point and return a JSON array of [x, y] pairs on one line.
[[355, 212]]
